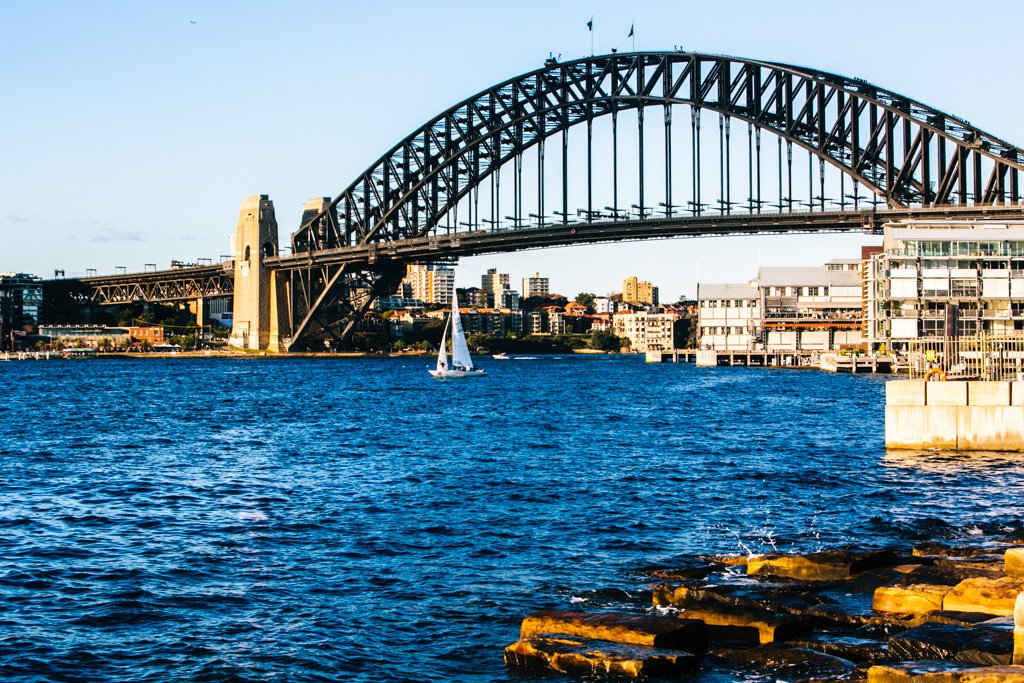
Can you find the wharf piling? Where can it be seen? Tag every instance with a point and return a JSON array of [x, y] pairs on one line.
[[792, 359]]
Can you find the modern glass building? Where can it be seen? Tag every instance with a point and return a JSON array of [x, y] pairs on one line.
[[939, 278]]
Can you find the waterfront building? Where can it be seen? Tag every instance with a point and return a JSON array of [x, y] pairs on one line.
[[154, 334], [784, 309], [945, 278], [85, 335], [810, 308], [728, 316], [535, 285], [21, 298], [430, 283], [647, 331], [639, 292]]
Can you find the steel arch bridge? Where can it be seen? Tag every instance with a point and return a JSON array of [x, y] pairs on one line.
[[914, 161]]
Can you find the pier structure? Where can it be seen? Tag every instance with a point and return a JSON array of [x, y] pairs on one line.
[[954, 416]]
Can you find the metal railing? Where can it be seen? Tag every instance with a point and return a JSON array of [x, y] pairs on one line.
[[982, 357]]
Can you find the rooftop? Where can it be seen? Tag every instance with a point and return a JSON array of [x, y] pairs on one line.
[[814, 276], [707, 291]]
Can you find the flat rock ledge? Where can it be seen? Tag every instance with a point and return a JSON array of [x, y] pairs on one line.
[[941, 615]]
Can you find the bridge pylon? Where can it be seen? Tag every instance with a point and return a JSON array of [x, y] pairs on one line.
[[254, 322]]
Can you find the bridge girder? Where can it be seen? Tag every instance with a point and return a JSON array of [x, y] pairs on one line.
[[900, 149]]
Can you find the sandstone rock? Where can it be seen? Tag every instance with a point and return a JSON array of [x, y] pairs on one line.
[[992, 596], [1018, 630], [944, 672], [1013, 562], [933, 549], [796, 662], [751, 625], [789, 598], [982, 645], [637, 629], [983, 566], [859, 646], [823, 566], [954, 618], [581, 656], [913, 599]]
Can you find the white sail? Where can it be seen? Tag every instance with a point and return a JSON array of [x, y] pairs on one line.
[[460, 351], [442, 354]]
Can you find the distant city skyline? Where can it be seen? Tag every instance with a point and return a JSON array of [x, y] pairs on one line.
[[134, 131]]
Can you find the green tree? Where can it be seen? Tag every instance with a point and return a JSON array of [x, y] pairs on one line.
[[481, 343], [602, 340], [586, 299]]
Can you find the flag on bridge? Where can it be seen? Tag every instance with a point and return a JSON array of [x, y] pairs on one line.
[[630, 31], [590, 25]]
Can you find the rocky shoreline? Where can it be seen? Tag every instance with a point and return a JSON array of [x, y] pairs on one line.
[[934, 613]]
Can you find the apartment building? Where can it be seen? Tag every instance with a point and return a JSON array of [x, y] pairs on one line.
[[430, 283], [646, 331], [639, 292], [945, 278], [535, 285]]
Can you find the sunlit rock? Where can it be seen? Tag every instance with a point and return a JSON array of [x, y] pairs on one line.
[[1013, 562], [912, 599], [992, 596], [584, 657], [750, 625], [824, 566], [944, 672], [1018, 630], [636, 629]]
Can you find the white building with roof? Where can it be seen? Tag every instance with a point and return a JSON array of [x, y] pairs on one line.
[[939, 278], [728, 316], [811, 308], [784, 308]]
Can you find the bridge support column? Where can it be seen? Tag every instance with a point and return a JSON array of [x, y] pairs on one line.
[[255, 239], [201, 308], [280, 325]]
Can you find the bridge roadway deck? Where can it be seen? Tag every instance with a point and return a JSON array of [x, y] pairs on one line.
[[562, 234], [184, 284]]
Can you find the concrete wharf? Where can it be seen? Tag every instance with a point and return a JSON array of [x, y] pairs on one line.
[[789, 359]]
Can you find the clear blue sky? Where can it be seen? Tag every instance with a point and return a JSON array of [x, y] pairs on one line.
[[131, 135]]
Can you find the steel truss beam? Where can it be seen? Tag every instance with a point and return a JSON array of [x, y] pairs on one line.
[[889, 143], [183, 284]]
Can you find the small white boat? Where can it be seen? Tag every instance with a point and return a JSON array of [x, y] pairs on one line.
[[500, 356], [462, 363]]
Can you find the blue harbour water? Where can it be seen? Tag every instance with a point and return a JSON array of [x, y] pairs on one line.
[[356, 520]]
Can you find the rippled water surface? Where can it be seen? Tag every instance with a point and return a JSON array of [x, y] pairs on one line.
[[318, 520]]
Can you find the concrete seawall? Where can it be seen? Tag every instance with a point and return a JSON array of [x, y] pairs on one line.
[[963, 416]]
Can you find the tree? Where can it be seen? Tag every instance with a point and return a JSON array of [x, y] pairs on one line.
[[602, 340], [586, 299], [481, 343]]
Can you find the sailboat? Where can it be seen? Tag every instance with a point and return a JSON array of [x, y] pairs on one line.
[[462, 363]]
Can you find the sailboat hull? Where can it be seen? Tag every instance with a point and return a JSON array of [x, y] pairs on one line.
[[456, 374]]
